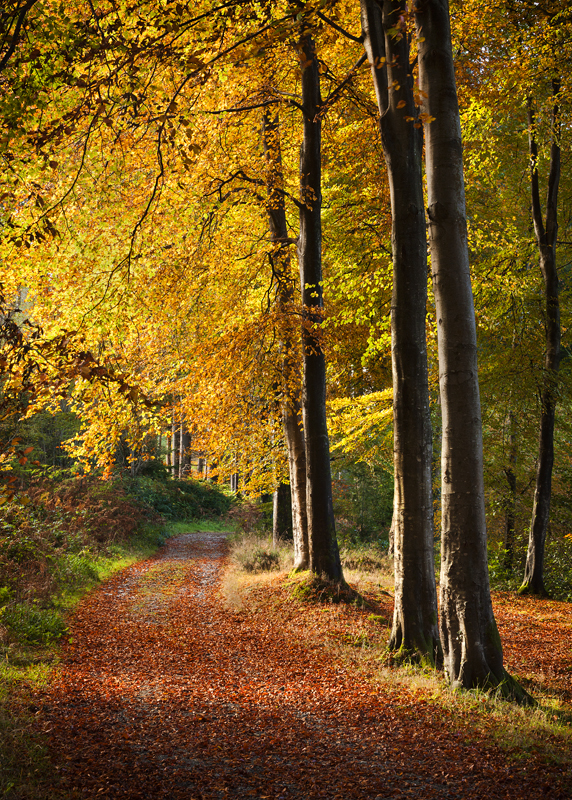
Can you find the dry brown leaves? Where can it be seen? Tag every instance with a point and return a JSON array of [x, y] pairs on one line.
[[165, 692], [537, 642]]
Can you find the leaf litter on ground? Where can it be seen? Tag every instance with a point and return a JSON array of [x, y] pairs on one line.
[[165, 690]]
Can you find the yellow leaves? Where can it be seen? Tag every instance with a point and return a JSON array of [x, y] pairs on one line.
[[361, 426], [402, 104]]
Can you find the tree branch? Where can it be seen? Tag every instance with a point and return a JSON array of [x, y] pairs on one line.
[[534, 190], [335, 93], [19, 22], [339, 28]]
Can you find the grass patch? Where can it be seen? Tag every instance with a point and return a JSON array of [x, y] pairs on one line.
[[253, 558], [541, 732]]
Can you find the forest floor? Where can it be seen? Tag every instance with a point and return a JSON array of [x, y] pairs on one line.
[[178, 682]]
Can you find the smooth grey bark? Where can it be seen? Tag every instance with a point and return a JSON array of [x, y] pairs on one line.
[[184, 440], [472, 647], [391, 532], [168, 454], [323, 546], [415, 632], [546, 235], [290, 371], [291, 418]]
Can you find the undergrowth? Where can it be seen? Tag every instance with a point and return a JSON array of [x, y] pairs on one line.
[[251, 552], [557, 568], [57, 540]]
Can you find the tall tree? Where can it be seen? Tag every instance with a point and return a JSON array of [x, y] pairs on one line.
[[471, 643], [415, 631], [290, 377], [546, 234], [324, 554]]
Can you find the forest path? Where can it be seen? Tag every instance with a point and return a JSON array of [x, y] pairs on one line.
[[164, 692]]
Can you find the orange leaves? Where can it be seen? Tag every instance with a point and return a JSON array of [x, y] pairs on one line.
[[168, 694]]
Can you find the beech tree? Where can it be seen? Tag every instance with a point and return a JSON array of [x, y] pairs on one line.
[[290, 377], [472, 647], [545, 233], [415, 632], [324, 554]]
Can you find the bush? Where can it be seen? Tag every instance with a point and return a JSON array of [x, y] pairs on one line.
[[557, 568], [248, 516], [252, 553], [365, 557], [187, 499]]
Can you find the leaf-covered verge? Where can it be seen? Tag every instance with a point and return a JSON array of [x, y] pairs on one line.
[[57, 541], [354, 625]]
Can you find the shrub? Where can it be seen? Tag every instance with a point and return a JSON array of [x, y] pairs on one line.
[[365, 557], [186, 499], [252, 553]]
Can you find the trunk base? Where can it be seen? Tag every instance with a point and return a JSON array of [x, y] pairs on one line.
[[506, 689], [421, 650], [308, 587], [534, 589]]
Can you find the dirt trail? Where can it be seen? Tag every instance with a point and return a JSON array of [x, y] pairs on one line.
[[166, 693]]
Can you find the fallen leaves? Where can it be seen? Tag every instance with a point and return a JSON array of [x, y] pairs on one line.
[[167, 693]]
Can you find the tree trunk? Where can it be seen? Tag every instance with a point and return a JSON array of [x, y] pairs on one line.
[[391, 532], [291, 417], [471, 644], [234, 482], [174, 462], [415, 632], [533, 582], [168, 453], [290, 372], [281, 514], [510, 509], [324, 554], [181, 446]]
